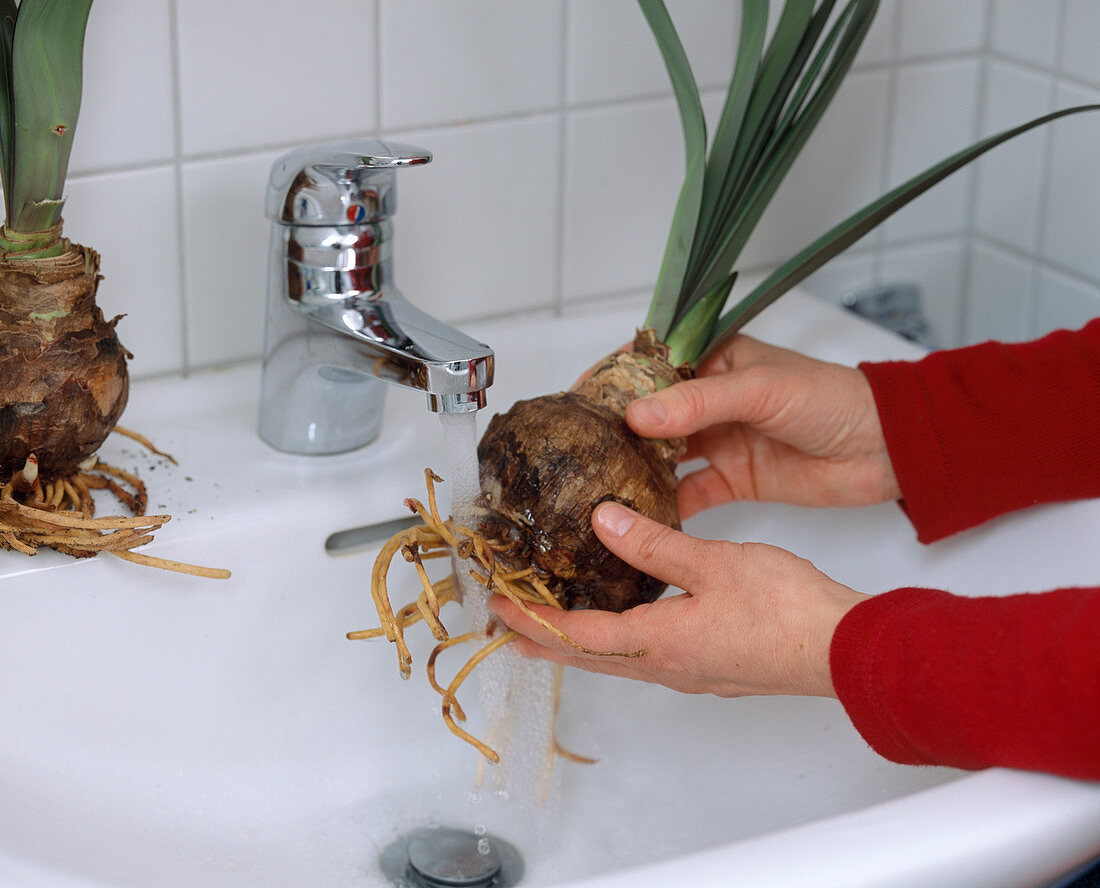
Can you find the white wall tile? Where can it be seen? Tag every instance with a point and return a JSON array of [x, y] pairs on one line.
[[637, 301], [1072, 223], [126, 109], [1080, 29], [623, 169], [1009, 180], [129, 218], [849, 143], [937, 268], [934, 116], [258, 73], [937, 27], [225, 263], [444, 61], [1027, 30], [476, 230], [1000, 297], [600, 31], [878, 46], [1064, 302]]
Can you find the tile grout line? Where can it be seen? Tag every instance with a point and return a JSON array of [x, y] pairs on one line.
[[1039, 259], [177, 182], [559, 198], [1041, 264], [965, 311], [379, 129], [648, 98], [879, 242]]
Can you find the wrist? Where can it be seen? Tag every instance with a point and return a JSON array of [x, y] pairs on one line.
[[874, 443], [835, 606]]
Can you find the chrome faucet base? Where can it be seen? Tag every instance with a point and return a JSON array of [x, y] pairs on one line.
[[337, 327], [318, 407]]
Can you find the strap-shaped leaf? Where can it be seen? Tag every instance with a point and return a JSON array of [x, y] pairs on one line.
[[780, 66], [685, 218], [8, 12], [750, 45], [809, 79], [47, 63], [692, 334], [842, 236], [846, 36], [778, 69]]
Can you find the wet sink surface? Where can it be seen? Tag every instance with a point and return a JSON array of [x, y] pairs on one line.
[[170, 731]]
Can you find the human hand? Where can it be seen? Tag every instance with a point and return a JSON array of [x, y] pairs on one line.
[[772, 425], [754, 619]]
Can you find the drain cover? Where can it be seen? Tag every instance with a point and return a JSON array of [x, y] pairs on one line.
[[451, 857], [444, 857]]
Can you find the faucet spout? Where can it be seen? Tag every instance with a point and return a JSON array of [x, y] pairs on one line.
[[403, 345], [337, 326]]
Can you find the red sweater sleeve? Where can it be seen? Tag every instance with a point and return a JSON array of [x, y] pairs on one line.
[[979, 431], [932, 678]]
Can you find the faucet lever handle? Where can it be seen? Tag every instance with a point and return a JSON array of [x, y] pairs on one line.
[[338, 183], [368, 153]]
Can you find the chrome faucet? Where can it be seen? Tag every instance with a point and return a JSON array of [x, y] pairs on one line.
[[337, 328]]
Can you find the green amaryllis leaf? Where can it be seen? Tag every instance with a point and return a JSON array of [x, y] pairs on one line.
[[842, 236], [678, 250], [795, 33], [839, 50], [8, 12], [807, 81], [692, 334], [781, 63], [754, 22], [47, 63]]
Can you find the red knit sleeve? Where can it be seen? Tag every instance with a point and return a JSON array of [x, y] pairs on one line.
[[979, 431], [933, 678]]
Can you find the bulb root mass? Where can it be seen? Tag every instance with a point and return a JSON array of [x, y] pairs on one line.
[[438, 537]]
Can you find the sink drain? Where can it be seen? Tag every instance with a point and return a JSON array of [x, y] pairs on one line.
[[451, 858]]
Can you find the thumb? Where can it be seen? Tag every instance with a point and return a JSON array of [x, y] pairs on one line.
[[665, 554]]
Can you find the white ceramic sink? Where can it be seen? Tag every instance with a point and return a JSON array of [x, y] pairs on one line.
[[160, 730]]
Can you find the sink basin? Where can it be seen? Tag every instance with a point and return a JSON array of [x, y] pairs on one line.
[[164, 730]]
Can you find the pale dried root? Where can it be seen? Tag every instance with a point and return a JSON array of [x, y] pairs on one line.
[[213, 573], [437, 537], [436, 651], [145, 442], [510, 592], [449, 695], [558, 748], [445, 590], [61, 515]]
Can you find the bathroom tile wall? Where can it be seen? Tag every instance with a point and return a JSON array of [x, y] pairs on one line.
[[558, 156], [1034, 263]]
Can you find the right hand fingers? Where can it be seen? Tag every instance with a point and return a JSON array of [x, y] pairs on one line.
[[593, 630], [687, 407]]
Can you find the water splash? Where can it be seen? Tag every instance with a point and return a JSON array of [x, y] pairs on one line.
[[460, 441], [516, 693]]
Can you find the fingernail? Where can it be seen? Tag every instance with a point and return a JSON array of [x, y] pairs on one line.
[[614, 519], [648, 412]]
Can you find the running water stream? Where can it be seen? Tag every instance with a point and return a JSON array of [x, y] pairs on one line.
[[516, 693]]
